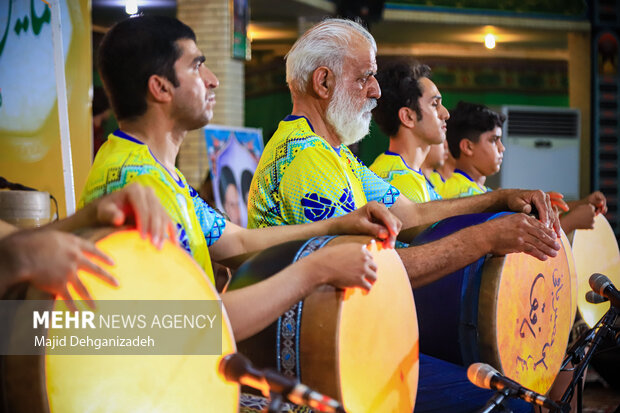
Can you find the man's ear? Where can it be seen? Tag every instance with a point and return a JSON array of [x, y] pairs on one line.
[[407, 117], [323, 82], [467, 147], [159, 88]]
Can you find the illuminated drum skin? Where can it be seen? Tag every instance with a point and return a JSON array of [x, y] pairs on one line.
[[135, 383], [360, 348], [513, 312], [595, 250]]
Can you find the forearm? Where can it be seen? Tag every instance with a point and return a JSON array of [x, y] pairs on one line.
[[83, 218], [416, 214], [6, 229], [429, 262], [253, 308]]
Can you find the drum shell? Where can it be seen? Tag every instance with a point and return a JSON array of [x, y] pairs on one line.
[[312, 327], [26, 379]]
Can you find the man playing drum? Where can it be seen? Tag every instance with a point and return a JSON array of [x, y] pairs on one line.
[[306, 174], [159, 88], [49, 257]]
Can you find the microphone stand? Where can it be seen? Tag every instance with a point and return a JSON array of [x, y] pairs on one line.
[[581, 359], [495, 402], [275, 403]]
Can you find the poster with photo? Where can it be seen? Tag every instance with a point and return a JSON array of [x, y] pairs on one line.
[[233, 156]]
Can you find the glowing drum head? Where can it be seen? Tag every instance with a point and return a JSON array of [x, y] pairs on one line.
[[359, 348], [144, 383], [532, 303], [595, 250]]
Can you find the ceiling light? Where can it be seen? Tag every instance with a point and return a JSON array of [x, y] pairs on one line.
[[131, 6], [489, 41]]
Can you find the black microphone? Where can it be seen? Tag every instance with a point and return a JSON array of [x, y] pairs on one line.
[[486, 377], [237, 368], [602, 285], [594, 298]]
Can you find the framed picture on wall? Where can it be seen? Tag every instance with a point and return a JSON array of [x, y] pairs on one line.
[[241, 18]]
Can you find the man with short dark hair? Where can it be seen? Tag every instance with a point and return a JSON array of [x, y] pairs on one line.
[[405, 113]]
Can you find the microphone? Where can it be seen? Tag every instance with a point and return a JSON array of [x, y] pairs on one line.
[[237, 368], [594, 298], [486, 377], [602, 285]]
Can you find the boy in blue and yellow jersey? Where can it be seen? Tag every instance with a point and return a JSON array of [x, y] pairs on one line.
[[413, 126], [158, 94], [475, 140], [435, 164]]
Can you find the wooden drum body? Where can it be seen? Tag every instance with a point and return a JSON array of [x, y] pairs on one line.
[[513, 312], [128, 383], [359, 348]]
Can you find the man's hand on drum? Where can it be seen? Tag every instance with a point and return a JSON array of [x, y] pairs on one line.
[[372, 219], [520, 233], [525, 201], [344, 266], [50, 260], [134, 204]]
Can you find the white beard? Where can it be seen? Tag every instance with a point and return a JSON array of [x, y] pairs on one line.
[[350, 126]]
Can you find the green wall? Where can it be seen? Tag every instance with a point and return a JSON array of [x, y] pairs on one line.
[[266, 111]]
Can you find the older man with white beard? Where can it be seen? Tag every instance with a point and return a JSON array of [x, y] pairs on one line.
[[307, 173]]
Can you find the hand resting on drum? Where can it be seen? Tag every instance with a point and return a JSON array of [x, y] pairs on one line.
[[372, 219], [520, 233], [236, 243], [252, 308], [134, 204], [50, 259]]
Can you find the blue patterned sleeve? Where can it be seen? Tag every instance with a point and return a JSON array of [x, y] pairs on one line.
[[211, 221]]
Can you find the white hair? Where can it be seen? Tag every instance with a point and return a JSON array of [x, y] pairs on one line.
[[325, 44]]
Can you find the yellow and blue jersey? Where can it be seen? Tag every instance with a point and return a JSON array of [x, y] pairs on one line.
[[122, 160], [301, 178], [436, 181], [460, 185], [412, 183]]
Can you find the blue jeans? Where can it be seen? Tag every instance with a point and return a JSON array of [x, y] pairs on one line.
[[444, 388]]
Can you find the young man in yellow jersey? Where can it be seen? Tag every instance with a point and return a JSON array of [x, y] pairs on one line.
[[159, 88], [434, 164], [475, 140], [409, 126]]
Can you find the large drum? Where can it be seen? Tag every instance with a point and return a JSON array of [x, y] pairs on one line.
[[126, 383], [595, 250], [359, 348], [513, 312]]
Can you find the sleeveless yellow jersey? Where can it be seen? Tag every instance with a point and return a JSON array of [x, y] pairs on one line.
[[460, 185], [301, 178], [123, 159], [412, 183]]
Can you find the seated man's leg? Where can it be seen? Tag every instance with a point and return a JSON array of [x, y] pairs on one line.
[[444, 387]]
